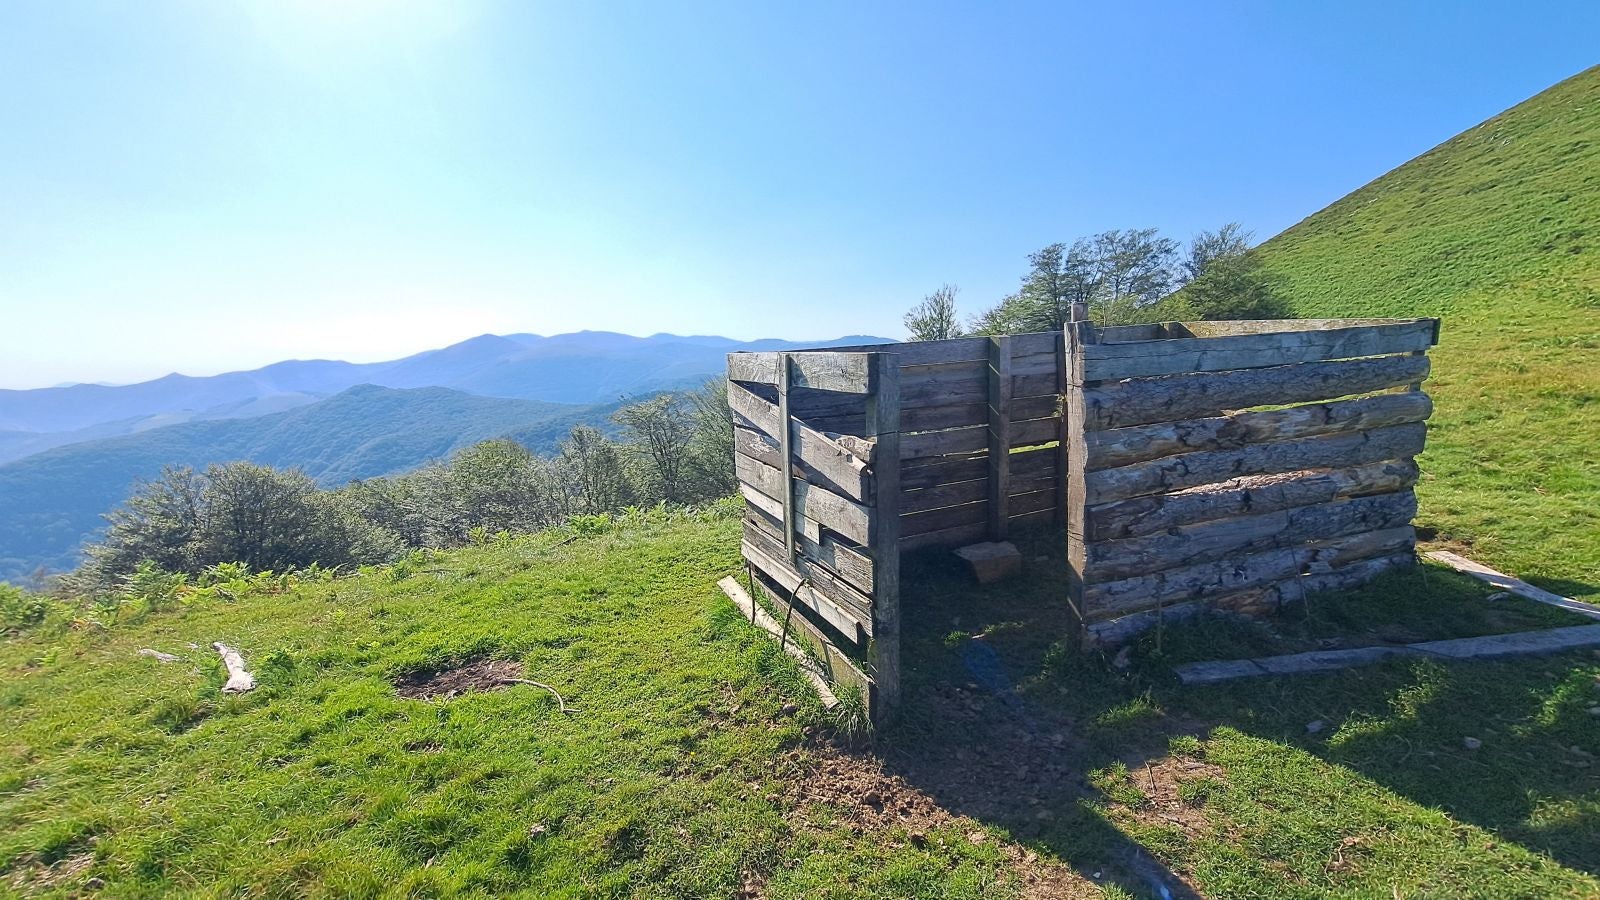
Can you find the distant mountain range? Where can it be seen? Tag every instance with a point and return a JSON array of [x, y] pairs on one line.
[[584, 367], [70, 454]]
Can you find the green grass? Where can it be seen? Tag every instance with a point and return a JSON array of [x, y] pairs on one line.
[[1497, 232], [324, 782]]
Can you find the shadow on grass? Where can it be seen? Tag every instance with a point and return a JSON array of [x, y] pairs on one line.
[[1006, 721]]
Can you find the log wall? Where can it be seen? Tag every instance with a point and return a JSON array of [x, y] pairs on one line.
[[1238, 464]]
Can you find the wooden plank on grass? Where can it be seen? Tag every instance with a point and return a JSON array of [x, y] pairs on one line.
[[1138, 443], [1252, 351], [1187, 470], [1511, 584], [1141, 401], [1221, 327], [758, 616], [838, 668]]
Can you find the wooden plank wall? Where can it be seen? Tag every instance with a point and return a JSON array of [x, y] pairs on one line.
[[820, 506], [1238, 464]]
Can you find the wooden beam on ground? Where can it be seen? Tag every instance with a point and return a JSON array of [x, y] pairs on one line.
[[764, 620], [1511, 584]]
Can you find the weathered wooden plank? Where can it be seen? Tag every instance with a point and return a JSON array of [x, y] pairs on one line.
[[845, 516], [1188, 545], [1034, 432], [883, 425], [1253, 351], [1079, 335], [785, 463], [921, 474], [1242, 496], [925, 444], [1296, 588], [1222, 327], [1187, 470], [955, 349], [1138, 443], [999, 427], [954, 536], [755, 501], [1032, 473], [852, 564], [842, 474], [1109, 599], [838, 667], [1112, 334], [1170, 398], [851, 625], [817, 449], [824, 579], [944, 517], [952, 494], [1033, 501], [826, 370]]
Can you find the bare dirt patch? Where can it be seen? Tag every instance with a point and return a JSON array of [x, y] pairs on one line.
[[477, 675], [1162, 782], [34, 875], [869, 799]]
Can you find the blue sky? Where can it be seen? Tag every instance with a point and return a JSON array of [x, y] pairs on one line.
[[203, 186]]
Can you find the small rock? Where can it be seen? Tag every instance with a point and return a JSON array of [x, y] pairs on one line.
[[1471, 743], [1123, 659], [788, 709], [537, 829], [991, 561]]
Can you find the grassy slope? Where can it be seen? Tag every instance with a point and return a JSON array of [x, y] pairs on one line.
[[324, 782], [1497, 231]]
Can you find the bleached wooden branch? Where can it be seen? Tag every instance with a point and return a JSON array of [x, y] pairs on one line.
[[239, 680]]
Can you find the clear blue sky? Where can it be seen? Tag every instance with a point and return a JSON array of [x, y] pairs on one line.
[[206, 185]]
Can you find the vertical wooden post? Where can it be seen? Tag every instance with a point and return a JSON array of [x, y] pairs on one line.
[[999, 435], [1062, 439], [785, 438], [883, 425], [1078, 333]]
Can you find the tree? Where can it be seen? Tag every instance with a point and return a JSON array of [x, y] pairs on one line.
[[1231, 287], [594, 469], [711, 448], [659, 432], [160, 523], [1118, 274], [934, 319], [1231, 240]]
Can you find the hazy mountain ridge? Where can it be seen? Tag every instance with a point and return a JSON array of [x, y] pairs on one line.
[[582, 367], [51, 501]]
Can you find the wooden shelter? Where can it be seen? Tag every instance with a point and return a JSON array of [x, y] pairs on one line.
[[1194, 465]]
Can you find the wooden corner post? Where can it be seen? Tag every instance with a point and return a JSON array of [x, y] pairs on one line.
[[785, 437], [883, 425], [1079, 333], [999, 434]]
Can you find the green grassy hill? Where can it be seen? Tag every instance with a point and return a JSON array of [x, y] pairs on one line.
[[1497, 231]]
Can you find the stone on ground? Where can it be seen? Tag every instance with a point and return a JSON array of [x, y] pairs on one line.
[[992, 561]]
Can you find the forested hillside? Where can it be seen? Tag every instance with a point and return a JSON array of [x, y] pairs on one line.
[[49, 502]]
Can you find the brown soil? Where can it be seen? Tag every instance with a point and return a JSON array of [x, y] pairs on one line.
[[1159, 780], [33, 875], [477, 675], [858, 790]]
